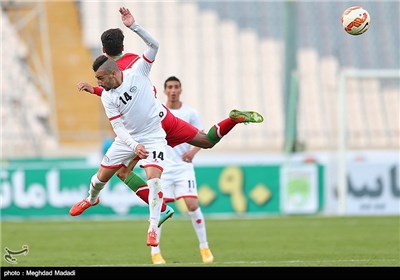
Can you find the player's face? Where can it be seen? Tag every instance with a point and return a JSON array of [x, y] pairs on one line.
[[173, 90], [104, 80]]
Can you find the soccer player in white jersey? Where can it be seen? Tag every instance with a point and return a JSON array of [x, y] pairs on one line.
[[179, 178], [178, 131], [134, 114]]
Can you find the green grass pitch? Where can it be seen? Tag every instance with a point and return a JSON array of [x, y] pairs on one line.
[[283, 241]]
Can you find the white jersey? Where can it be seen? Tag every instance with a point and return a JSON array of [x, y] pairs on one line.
[[134, 103], [134, 113], [178, 177]]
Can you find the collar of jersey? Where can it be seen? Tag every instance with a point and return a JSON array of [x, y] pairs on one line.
[[118, 57]]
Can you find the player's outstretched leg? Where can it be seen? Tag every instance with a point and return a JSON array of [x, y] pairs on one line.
[[219, 130]]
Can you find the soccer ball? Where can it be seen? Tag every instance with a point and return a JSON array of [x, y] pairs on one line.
[[355, 20]]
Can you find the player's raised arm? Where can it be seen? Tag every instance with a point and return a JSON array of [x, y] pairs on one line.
[[129, 21]]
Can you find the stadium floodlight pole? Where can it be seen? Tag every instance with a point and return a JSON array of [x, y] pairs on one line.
[[342, 129]]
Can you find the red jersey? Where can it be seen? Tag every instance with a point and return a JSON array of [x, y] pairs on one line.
[[127, 60]]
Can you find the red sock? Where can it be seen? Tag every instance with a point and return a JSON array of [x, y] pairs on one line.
[[143, 193], [225, 126], [219, 130]]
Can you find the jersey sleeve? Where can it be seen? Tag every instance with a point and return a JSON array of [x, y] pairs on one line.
[[144, 64], [97, 91], [152, 43]]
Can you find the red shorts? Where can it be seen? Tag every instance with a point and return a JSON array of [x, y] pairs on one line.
[[178, 131]]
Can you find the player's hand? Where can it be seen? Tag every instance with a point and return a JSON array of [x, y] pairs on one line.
[[187, 157], [126, 16], [85, 87], [141, 151]]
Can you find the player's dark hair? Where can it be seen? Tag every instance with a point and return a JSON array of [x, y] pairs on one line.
[[172, 78], [98, 62], [113, 41]]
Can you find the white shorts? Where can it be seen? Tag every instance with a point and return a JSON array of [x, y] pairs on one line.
[[120, 154], [179, 181]]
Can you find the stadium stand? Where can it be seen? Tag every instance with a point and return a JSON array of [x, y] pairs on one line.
[[230, 54], [25, 125]]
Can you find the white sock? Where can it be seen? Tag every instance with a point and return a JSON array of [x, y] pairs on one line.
[[199, 225], [156, 249], [155, 201], [95, 188]]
